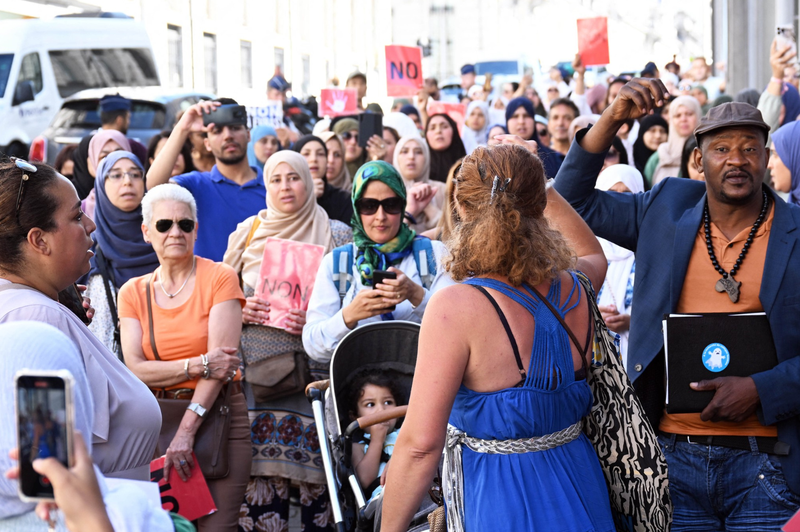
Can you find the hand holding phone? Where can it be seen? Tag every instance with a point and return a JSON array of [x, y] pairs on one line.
[[226, 115], [378, 276], [369, 124]]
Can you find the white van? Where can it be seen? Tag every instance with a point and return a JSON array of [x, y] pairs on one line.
[[44, 61]]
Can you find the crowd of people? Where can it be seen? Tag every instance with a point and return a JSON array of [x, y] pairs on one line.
[[653, 187]]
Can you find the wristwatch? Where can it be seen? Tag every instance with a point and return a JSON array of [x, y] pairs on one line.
[[198, 409]]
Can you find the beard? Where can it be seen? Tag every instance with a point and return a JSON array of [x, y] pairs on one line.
[[233, 159]]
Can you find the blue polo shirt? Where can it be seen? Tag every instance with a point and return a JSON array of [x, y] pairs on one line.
[[221, 205]]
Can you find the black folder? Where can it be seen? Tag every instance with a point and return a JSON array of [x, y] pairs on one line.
[[706, 346]]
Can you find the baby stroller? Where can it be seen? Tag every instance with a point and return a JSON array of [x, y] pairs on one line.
[[390, 346]]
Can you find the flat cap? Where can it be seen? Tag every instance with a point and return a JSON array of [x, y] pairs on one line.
[[278, 82], [467, 69], [356, 74], [114, 102], [731, 114]]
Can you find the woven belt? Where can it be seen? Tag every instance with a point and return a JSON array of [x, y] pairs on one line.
[[453, 473], [187, 393]]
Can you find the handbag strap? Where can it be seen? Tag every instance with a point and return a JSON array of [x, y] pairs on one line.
[[150, 319]]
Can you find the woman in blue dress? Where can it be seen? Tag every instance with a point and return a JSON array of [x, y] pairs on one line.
[[499, 384]]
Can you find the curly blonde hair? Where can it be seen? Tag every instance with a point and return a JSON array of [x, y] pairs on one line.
[[508, 235]]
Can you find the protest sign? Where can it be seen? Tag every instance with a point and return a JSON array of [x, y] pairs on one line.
[[288, 271], [270, 114], [456, 111], [403, 70], [793, 525], [190, 499], [593, 41], [337, 102]]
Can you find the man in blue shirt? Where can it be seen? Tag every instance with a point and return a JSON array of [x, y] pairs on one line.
[[230, 193]]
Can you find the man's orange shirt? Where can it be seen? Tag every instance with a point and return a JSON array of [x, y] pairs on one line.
[[700, 296]]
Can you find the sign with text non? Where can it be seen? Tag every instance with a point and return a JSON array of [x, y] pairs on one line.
[[338, 102], [190, 499], [593, 41], [403, 70], [286, 279], [269, 114]]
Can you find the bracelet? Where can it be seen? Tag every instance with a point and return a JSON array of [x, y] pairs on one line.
[[186, 369], [773, 79], [206, 371], [411, 218]]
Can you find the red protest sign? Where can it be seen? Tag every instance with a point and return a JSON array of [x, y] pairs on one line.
[[336, 102], [793, 525], [456, 111], [287, 276], [403, 70], [593, 41], [190, 499]]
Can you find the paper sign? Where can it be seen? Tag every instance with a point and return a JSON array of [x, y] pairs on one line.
[[456, 111], [288, 271], [403, 70], [337, 102], [793, 525], [593, 41], [270, 114], [191, 499]]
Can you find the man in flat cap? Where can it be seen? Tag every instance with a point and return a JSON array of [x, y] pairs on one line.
[[115, 113], [729, 245], [277, 87]]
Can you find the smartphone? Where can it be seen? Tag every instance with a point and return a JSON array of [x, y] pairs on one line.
[[786, 37], [226, 115], [378, 277], [369, 124], [45, 424], [71, 298]]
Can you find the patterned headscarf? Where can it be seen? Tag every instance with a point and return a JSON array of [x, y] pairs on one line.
[[372, 256]]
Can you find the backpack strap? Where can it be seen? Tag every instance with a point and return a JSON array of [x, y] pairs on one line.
[[343, 261], [425, 259], [253, 228]]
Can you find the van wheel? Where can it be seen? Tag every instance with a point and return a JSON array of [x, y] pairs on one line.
[[17, 149]]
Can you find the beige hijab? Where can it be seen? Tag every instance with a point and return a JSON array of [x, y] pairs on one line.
[[669, 153], [310, 224], [428, 218], [342, 180]]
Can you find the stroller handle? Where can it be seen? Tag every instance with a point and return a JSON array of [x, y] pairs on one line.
[[317, 385], [379, 417]]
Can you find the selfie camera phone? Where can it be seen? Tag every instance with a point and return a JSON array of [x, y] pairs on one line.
[[45, 421], [378, 277], [71, 298], [786, 37], [369, 124], [226, 115]]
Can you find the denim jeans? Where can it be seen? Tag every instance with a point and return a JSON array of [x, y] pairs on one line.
[[717, 488]]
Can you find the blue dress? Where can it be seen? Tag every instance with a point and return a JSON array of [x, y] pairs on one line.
[[561, 488]]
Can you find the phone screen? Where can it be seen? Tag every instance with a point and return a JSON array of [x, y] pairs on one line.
[[44, 425]]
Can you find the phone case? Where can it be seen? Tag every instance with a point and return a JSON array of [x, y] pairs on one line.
[[369, 124], [69, 384]]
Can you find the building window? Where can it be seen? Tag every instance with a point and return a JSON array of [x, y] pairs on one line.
[[210, 58], [175, 51], [246, 49], [306, 74], [279, 59]]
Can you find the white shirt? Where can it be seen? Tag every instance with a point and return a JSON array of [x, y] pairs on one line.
[[325, 325]]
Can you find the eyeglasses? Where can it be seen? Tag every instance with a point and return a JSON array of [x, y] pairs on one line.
[[25, 166], [369, 206], [347, 135], [132, 175], [186, 225]]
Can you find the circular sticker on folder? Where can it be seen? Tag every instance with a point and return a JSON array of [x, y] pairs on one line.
[[716, 357]]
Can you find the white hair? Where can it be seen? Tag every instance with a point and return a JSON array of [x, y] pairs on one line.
[[167, 191]]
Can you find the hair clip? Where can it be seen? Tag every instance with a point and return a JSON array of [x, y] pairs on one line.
[[497, 187]]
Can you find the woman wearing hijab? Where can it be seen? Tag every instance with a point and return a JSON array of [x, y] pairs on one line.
[[497, 110], [333, 200], [263, 143], [337, 174], [684, 114], [520, 121], [494, 131], [445, 145], [39, 347], [120, 252], [414, 114], [300, 220], [784, 161], [476, 126], [653, 130], [412, 159], [105, 142], [616, 294], [382, 241]]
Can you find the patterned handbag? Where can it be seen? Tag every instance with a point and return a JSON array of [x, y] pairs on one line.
[[626, 444]]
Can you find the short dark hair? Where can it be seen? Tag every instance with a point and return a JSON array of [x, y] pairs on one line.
[[109, 117], [565, 101], [226, 101], [37, 209], [377, 377], [63, 156], [186, 151], [688, 149]]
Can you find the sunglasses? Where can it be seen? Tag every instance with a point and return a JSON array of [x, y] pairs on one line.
[[347, 135], [25, 166], [186, 225], [369, 206]]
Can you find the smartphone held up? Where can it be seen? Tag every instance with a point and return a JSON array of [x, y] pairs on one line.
[[44, 420]]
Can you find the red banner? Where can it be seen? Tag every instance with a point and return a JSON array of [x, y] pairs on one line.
[[403, 70], [287, 276], [593, 41], [336, 102], [456, 111], [190, 499]]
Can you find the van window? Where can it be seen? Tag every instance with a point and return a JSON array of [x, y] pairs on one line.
[[31, 70], [5, 70], [76, 70], [85, 114]]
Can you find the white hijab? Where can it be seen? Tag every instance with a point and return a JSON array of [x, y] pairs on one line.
[[471, 138]]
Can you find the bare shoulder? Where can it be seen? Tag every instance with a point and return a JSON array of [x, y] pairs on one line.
[[454, 304]]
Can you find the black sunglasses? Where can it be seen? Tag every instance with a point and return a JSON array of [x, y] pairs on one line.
[[347, 135], [369, 206], [186, 225], [25, 166]]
